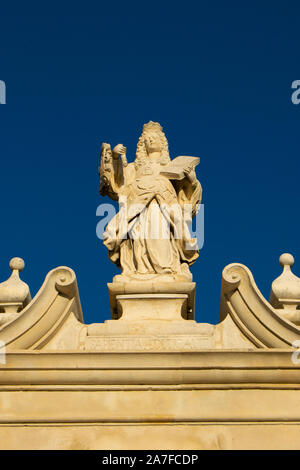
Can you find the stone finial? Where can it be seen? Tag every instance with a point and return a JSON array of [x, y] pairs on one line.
[[285, 291], [14, 293]]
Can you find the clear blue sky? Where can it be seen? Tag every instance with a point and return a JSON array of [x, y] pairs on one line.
[[216, 75]]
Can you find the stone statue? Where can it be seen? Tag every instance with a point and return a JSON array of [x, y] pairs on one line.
[[149, 238]]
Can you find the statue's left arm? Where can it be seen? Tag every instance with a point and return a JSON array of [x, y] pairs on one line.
[[190, 191]]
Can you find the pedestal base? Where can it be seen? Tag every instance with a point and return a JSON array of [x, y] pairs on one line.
[[150, 316]]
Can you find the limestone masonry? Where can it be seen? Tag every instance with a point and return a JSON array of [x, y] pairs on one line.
[[151, 377]]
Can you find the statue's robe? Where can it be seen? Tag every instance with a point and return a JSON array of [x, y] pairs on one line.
[[150, 232]]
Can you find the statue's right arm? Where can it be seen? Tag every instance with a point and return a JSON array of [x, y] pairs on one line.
[[107, 171], [112, 174]]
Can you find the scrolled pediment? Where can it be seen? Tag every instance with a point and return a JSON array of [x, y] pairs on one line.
[[256, 318], [42, 318]]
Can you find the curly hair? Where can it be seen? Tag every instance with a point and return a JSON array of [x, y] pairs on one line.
[[141, 152]]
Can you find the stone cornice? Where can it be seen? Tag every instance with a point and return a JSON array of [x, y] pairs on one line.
[[262, 368]]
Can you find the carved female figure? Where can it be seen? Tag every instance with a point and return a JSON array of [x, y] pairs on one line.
[[149, 236]]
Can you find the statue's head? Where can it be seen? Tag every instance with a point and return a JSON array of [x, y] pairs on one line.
[[152, 140]]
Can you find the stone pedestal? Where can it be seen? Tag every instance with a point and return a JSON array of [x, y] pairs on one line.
[[150, 316], [136, 307], [136, 301]]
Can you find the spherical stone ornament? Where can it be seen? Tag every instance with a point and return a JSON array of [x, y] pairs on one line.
[[17, 263], [286, 259], [286, 287], [14, 293]]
